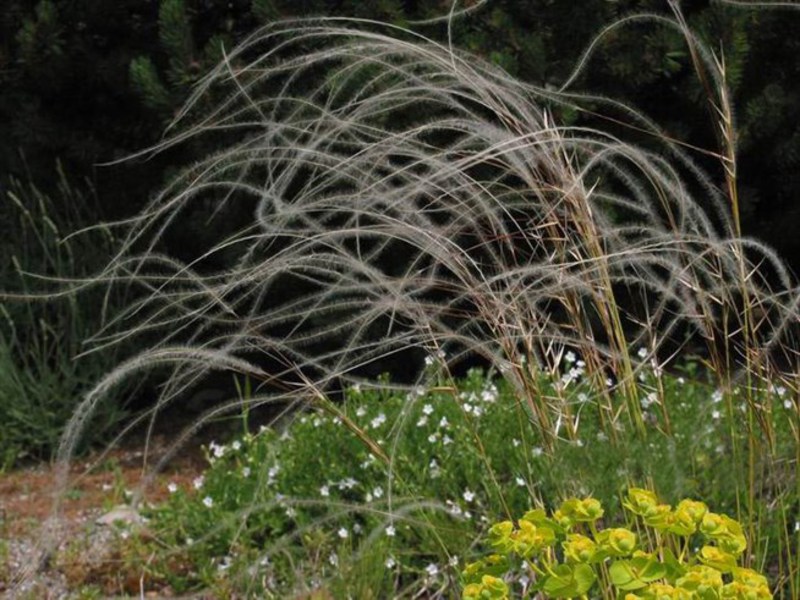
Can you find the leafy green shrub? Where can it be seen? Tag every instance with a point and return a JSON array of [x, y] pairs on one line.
[[411, 480], [569, 555]]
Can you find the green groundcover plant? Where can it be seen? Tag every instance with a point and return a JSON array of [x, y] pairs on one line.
[[390, 493], [570, 556]]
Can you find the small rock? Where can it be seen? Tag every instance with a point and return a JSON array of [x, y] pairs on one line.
[[122, 513]]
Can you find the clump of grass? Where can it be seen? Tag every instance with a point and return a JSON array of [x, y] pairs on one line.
[[41, 379], [408, 199]]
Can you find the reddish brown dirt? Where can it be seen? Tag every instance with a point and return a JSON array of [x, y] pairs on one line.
[[96, 484]]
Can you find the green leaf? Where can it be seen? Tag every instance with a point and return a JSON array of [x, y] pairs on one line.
[[636, 573], [569, 581], [673, 567]]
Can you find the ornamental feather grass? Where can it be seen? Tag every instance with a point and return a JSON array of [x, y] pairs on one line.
[[403, 199]]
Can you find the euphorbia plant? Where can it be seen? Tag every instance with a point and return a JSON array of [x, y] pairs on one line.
[[665, 553]]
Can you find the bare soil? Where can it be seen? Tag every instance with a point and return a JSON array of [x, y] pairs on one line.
[[97, 484]]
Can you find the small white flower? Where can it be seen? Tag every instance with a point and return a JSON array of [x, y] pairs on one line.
[[537, 451], [347, 484], [246, 471], [172, 487], [361, 411], [427, 409], [432, 438], [290, 512], [447, 440], [681, 381], [208, 501], [429, 360], [390, 563], [716, 397], [432, 570], [520, 481], [649, 400], [453, 562], [236, 445], [716, 415], [333, 559], [642, 352], [787, 404], [489, 394], [324, 491], [342, 533], [217, 450], [468, 495], [357, 528], [780, 390], [444, 423], [422, 421], [316, 422], [198, 482], [391, 531], [378, 421], [515, 442], [377, 492], [570, 357], [124, 534], [582, 398]]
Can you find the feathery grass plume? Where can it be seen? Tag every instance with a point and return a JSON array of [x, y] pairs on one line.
[[407, 198], [404, 195]]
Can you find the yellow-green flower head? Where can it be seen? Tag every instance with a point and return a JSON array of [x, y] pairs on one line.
[[736, 590], [639, 501], [539, 517], [659, 516], [564, 520], [617, 541], [529, 539], [579, 548], [681, 523], [702, 582], [733, 541], [718, 559], [712, 525], [581, 511], [693, 509], [500, 536], [749, 577], [489, 588], [726, 532], [664, 591]]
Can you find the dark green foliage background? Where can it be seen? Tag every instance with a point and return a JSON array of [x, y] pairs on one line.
[[90, 81]]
